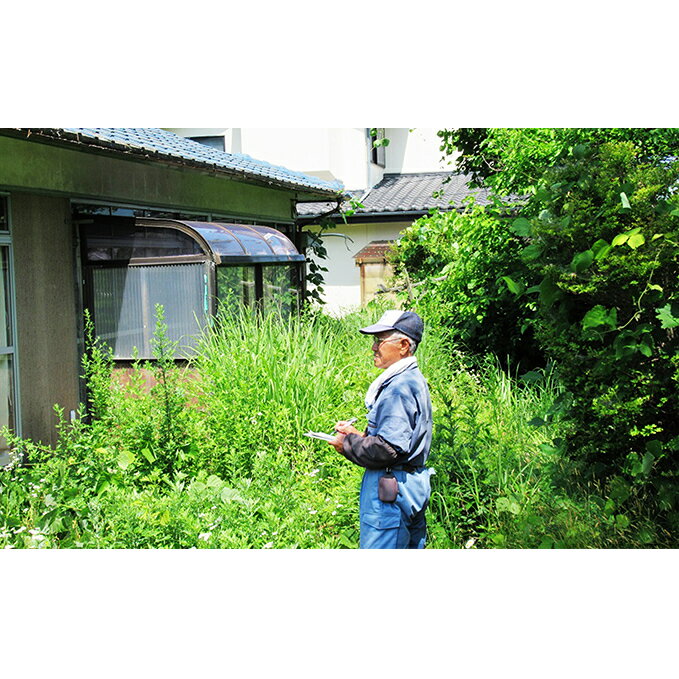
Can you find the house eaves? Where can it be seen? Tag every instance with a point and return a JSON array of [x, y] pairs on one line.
[[161, 146]]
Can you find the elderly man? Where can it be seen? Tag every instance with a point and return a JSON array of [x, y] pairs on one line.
[[394, 448]]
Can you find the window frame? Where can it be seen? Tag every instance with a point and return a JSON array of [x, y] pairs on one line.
[[13, 349], [378, 154], [203, 138]]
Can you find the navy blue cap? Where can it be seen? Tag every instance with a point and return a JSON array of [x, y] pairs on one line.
[[407, 322]]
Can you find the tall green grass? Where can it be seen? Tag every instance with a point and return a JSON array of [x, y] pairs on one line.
[[213, 455]]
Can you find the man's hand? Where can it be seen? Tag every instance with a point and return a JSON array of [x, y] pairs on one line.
[[344, 427], [338, 442]]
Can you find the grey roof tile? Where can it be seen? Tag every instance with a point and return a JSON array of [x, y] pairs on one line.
[[408, 193]]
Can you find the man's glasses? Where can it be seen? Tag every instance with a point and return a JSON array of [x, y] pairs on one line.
[[377, 343]]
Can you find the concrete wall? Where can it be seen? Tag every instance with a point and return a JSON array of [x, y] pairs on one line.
[[41, 167], [46, 311], [413, 151]]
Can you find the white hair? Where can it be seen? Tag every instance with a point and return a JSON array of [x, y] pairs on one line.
[[398, 335]]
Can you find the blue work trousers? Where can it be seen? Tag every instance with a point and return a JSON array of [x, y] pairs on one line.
[[395, 525]]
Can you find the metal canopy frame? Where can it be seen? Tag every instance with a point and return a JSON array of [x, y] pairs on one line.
[[239, 244]]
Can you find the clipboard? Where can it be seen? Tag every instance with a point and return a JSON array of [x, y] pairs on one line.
[[323, 436], [319, 435]]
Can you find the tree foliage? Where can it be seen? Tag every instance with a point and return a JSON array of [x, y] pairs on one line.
[[589, 239]]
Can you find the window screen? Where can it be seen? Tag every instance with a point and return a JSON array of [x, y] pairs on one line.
[[124, 300]]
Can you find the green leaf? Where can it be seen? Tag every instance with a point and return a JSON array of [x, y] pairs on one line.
[[675, 213], [654, 447], [582, 260], [504, 504], [125, 459], [531, 252], [148, 455], [666, 317], [645, 349], [549, 292], [662, 207], [625, 201], [579, 151], [102, 486], [231, 495], [620, 239], [516, 288], [622, 521], [600, 249], [635, 240], [647, 463], [598, 316], [521, 227]]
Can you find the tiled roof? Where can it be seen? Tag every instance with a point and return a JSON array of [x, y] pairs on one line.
[[376, 249], [168, 145], [411, 193]]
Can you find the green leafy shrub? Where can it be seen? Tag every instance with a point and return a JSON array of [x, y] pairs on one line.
[[592, 262], [459, 262], [606, 281]]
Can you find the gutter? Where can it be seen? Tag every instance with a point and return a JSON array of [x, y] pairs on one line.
[[358, 217]]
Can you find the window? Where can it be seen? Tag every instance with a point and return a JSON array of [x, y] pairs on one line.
[[124, 305], [131, 264], [236, 286], [377, 153], [129, 269], [280, 291], [8, 363], [212, 142], [4, 215]]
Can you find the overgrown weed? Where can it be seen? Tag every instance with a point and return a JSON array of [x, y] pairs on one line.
[[213, 455]]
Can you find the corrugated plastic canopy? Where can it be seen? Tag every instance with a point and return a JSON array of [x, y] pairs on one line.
[[234, 243]]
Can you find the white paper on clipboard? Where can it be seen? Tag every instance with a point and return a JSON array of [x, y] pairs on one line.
[[319, 435]]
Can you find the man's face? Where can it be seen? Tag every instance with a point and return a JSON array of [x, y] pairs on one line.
[[387, 350]]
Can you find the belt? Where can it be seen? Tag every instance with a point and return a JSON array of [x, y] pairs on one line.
[[409, 468]]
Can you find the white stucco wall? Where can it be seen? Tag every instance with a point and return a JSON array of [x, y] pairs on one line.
[[332, 153], [342, 280], [413, 151], [328, 153]]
